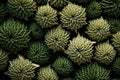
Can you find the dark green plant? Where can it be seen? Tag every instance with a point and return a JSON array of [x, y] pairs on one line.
[[3, 59], [73, 17], [116, 67], [37, 33], [3, 11], [38, 53], [80, 50], [57, 39], [46, 16], [104, 53], [92, 72], [47, 73], [62, 66], [93, 10], [14, 35], [22, 9], [114, 25], [98, 29], [21, 69], [116, 41], [111, 7], [58, 3]]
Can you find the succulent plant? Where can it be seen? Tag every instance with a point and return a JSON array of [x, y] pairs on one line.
[[116, 41], [21, 69], [98, 29], [73, 17], [92, 72], [37, 33], [58, 3], [93, 10], [14, 35], [46, 16], [104, 53], [80, 50], [3, 59], [116, 67], [3, 11], [38, 53], [22, 9], [57, 39], [47, 73], [111, 7], [114, 25], [62, 66]]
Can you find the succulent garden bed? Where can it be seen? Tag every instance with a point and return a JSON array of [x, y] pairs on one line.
[[60, 40]]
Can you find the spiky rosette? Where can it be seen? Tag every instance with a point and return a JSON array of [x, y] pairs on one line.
[[22, 9], [62, 66], [3, 11], [80, 50], [57, 39], [104, 53], [21, 69], [114, 25], [47, 73], [116, 67], [46, 16], [98, 29], [38, 53], [116, 41], [93, 10], [3, 59], [92, 72], [73, 17], [111, 7], [37, 32], [14, 35], [58, 3]]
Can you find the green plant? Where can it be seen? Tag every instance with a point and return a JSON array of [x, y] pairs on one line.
[[104, 53], [37, 33], [46, 16], [92, 72], [116, 67], [21, 69], [116, 41], [80, 50], [111, 7], [93, 10], [73, 17], [3, 11], [22, 9], [68, 78], [47, 73], [114, 25], [58, 3], [3, 59], [98, 29], [38, 53], [57, 39], [62, 66], [14, 35]]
